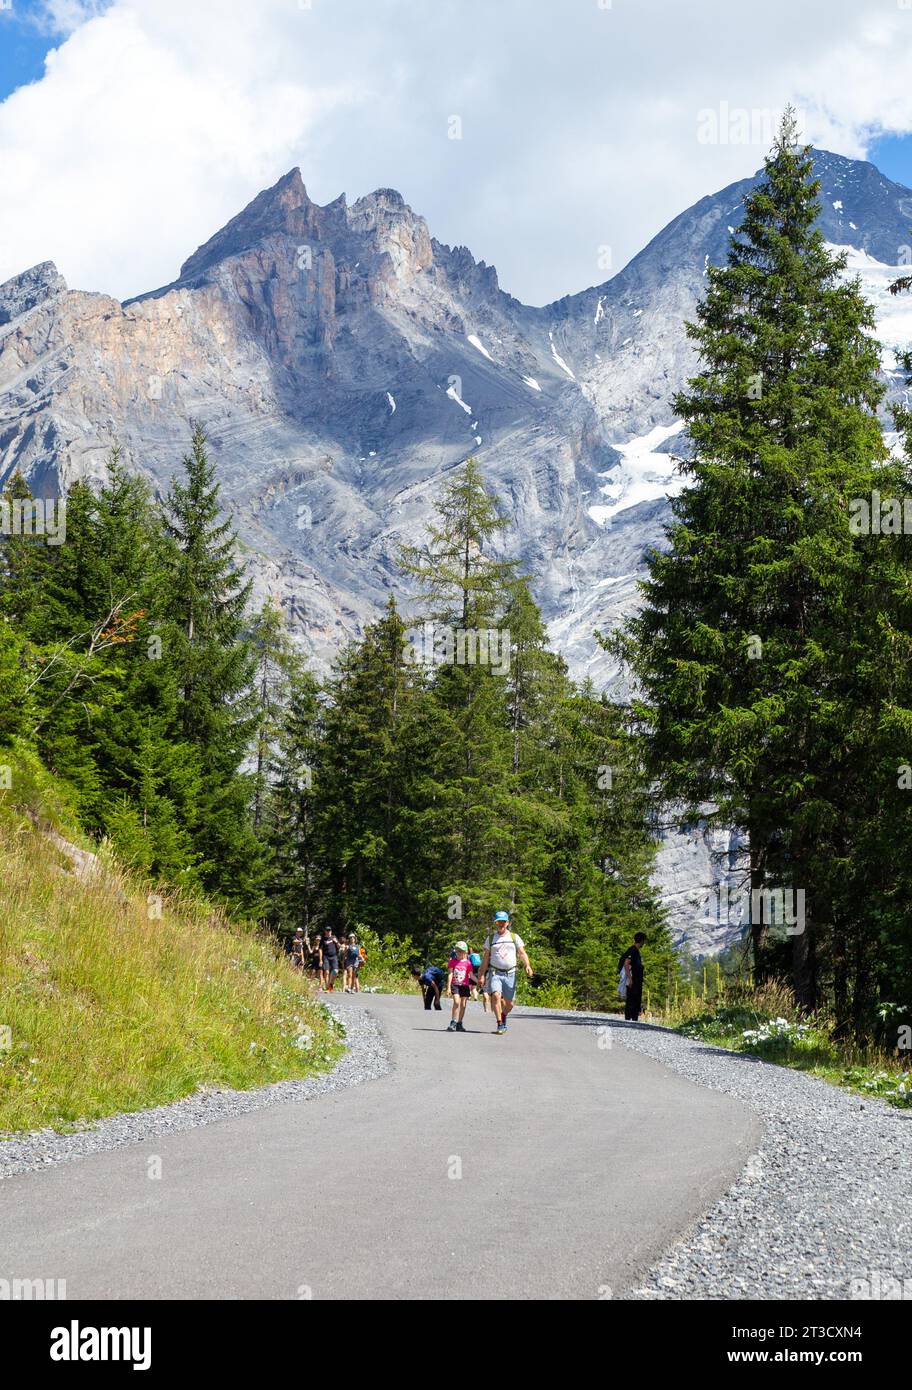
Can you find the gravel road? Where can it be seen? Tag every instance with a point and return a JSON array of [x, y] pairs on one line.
[[823, 1208], [548, 1163], [597, 1158]]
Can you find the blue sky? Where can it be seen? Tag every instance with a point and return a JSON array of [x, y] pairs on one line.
[[22, 46], [893, 156], [577, 124]]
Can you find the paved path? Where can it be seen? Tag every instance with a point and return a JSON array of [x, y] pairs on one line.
[[580, 1163]]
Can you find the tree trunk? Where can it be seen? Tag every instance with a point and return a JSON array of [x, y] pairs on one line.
[[760, 928], [804, 955]]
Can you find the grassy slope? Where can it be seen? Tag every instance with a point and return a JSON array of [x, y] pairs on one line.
[[103, 1009]]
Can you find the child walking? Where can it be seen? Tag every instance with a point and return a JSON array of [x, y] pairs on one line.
[[459, 972]]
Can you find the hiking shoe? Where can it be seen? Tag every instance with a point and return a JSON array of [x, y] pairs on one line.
[[501, 1028], [460, 1028], [451, 1027]]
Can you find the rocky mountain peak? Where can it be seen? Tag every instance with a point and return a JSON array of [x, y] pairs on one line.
[[383, 219], [391, 224], [470, 277], [29, 289], [283, 208]]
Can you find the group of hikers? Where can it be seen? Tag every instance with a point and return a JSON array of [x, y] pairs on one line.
[[490, 975], [494, 973], [493, 976], [330, 956]]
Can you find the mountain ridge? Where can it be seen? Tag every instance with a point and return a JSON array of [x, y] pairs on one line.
[[343, 360]]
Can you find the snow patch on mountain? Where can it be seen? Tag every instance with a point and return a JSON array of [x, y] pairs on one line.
[[477, 343], [893, 313], [455, 396], [644, 474], [559, 360]]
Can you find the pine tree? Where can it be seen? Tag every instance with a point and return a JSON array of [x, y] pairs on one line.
[[139, 752], [15, 706], [205, 604], [755, 619], [273, 677], [459, 580], [289, 821], [71, 632], [21, 567], [374, 785], [466, 589]]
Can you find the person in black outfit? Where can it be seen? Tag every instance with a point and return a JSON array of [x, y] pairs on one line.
[[430, 981], [329, 959], [632, 962]]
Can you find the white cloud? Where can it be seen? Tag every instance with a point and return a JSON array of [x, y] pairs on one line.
[[158, 120]]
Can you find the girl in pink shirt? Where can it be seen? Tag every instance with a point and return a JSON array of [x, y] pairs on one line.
[[459, 972]]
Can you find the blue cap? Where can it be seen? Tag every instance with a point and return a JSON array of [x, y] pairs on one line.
[[501, 916]]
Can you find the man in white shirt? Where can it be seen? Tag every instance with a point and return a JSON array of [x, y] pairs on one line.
[[498, 967]]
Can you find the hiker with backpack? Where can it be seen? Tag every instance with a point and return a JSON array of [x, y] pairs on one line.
[[630, 983], [502, 949]]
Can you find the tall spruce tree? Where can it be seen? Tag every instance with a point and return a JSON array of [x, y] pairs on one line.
[[755, 620], [206, 606], [465, 590], [289, 823], [276, 667], [375, 785]]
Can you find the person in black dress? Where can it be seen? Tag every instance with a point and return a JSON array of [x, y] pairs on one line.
[[632, 963]]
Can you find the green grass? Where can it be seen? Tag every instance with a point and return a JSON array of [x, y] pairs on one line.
[[103, 1009], [763, 1022]]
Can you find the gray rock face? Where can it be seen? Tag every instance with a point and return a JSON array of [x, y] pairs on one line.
[[698, 873], [21, 294], [342, 361]]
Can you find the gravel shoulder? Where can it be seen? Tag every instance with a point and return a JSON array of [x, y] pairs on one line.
[[366, 1057], [822, 1210]]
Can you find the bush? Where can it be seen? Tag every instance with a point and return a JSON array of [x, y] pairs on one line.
[[389, 961], [548, 996]]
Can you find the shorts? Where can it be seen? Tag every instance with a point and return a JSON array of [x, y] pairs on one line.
[[331, 965], [462, 991], [502, 982]]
